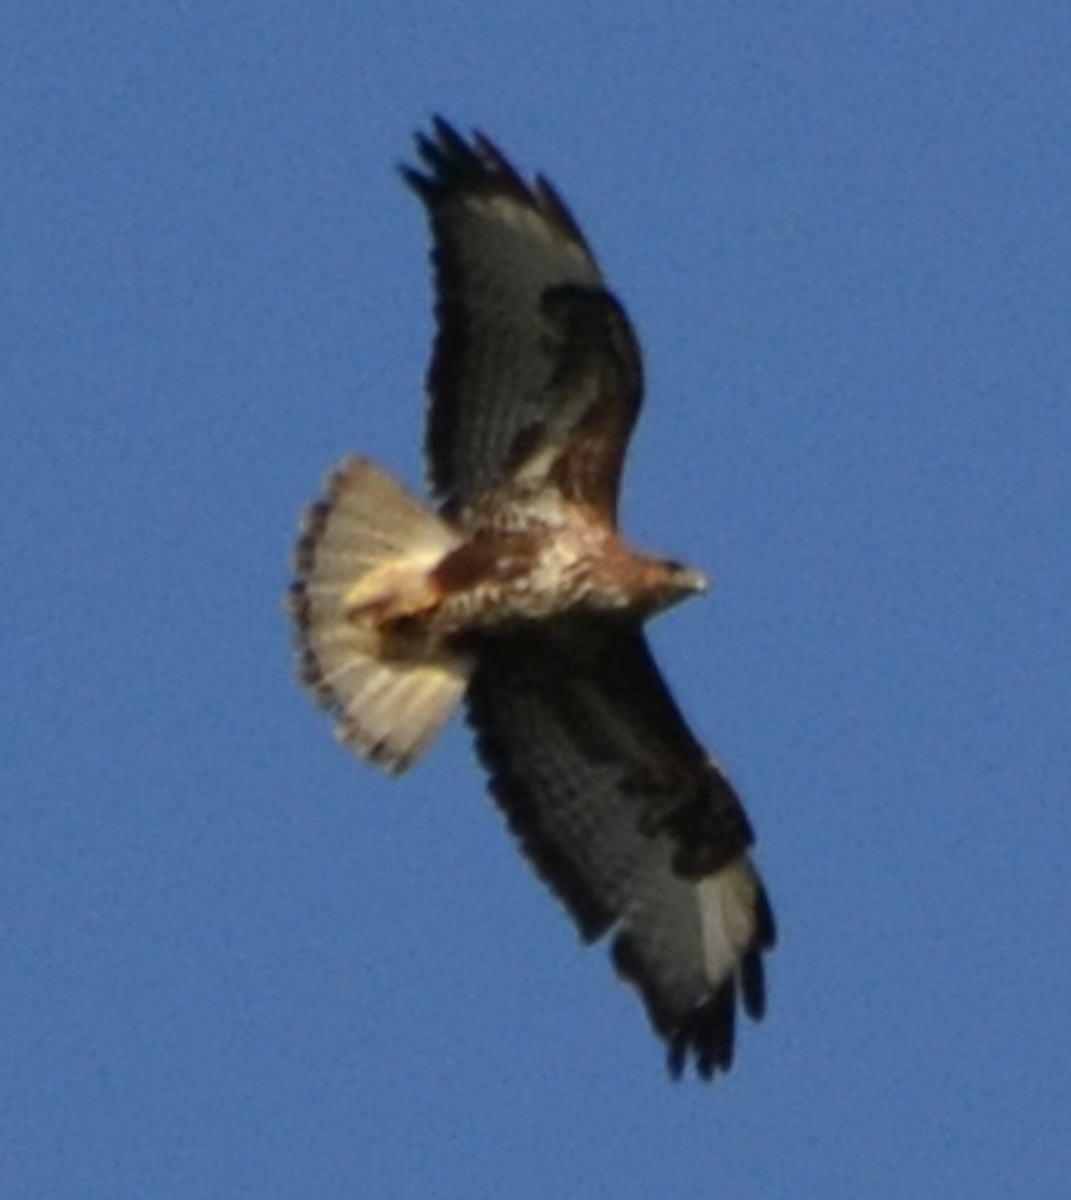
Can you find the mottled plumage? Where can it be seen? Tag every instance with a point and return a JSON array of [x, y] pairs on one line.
[[521, 598]]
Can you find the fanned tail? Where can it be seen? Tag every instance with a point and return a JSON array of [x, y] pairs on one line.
[[364, 556]]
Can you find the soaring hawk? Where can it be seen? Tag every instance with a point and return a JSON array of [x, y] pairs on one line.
[[520, 598]]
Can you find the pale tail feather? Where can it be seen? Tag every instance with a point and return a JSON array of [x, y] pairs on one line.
[[368, 545]]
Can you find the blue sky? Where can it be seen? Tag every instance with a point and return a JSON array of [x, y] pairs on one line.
[[236, 962]]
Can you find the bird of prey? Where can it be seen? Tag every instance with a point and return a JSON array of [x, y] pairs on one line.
[[520, 598]]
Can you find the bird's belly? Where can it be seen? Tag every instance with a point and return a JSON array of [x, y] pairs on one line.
[[561, 579]]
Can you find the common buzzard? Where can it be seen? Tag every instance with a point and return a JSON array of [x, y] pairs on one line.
[[521, 598]]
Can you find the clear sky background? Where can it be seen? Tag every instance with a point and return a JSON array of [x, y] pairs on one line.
[[234, 962]]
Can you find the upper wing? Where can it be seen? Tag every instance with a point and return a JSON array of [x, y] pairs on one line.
[[535, 365], [631, 823]]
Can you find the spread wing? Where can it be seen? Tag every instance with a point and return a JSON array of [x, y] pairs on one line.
[[535, 369], [630, 822]]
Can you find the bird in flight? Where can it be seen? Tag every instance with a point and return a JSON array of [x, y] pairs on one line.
[[520, 598]]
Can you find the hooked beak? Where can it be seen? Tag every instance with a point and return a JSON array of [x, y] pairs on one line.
[[687, 581], [691, 581]]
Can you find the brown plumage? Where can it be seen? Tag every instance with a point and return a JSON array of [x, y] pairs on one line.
[[521, 598]]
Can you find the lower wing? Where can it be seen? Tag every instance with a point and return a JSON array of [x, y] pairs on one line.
[[631, 824]]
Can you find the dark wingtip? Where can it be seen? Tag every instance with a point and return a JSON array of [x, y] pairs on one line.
[[705, 1037], [438, 152], [448, 135], [708, 1036], [449, 162], [446, 159], [753, 985], [420, 183], [766, 936]]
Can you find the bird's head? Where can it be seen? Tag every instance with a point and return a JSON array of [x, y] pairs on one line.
[[673, 582]]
